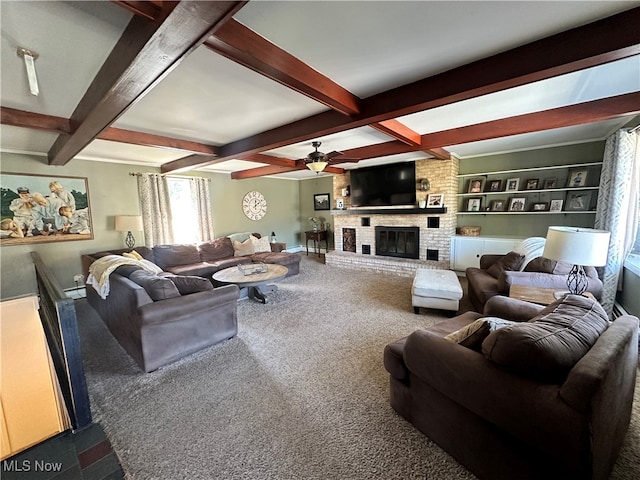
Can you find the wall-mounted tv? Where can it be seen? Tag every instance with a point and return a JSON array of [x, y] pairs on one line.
[[384, 185]]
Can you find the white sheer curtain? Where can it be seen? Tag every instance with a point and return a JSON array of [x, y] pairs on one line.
[[155, 204], [617, 209], [202, 202]]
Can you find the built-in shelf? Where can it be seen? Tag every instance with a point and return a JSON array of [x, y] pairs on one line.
[[390, 211], [563, 212], [533, 169], [518, 192]]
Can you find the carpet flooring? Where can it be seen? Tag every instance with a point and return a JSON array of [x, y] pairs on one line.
[[300, 393]]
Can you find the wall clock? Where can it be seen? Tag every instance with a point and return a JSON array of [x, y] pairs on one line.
[[254, 205]]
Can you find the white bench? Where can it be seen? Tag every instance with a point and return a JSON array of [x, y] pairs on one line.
[[435, 289]]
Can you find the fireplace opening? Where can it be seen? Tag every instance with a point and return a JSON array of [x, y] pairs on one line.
[[403, 242], [349, 240]]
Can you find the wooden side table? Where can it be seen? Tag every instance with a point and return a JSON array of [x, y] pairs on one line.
[[278, 246], [541, 296], [317, 237]]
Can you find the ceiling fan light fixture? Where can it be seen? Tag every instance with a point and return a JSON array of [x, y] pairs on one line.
[[317, 166], [316, 161]]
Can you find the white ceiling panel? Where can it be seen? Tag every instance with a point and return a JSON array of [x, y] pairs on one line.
[[26, 140], [210, 99], [126, 153]]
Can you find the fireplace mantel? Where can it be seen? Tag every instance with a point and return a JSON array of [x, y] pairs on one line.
[[390, 211]]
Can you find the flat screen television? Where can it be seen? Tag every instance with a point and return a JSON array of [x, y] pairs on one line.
[[384, 185]]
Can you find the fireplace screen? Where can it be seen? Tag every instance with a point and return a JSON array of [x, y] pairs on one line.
[[403, 242]]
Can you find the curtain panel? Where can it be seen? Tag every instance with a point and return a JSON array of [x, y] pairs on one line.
[[202, 201], [617, 210], [155, 204]]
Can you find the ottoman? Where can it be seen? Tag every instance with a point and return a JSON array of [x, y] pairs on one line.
[[435, 289]]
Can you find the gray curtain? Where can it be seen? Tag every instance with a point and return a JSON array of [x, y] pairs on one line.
[[202, 202], [617, 209], [156, 209]]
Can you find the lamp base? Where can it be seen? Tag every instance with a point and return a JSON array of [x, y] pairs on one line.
[[129, 241]]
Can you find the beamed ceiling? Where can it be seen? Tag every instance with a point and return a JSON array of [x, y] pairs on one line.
[[245, 87]]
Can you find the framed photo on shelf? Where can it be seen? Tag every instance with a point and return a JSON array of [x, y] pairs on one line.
[[551, 183], [577, 178], [540, 207], [532, 184], [556, 205], [494, 186], [321, 201], [474, 204], [578, 201], [435, 200], [476, 185], [512, 185], [517, 204], [497, 206]]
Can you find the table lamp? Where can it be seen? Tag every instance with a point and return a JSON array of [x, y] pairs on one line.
[[273, 237], [579, 246], [127, 223]]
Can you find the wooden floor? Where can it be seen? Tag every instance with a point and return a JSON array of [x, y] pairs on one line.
[[82, 455]]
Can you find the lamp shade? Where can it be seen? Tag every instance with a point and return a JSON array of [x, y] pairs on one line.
[[317, 166], [129, 223], [578, 246]]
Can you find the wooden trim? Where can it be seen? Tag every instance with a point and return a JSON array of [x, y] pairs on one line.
[[140, 59], [38, 121], [150, 140], [150, 10], [398, 130]]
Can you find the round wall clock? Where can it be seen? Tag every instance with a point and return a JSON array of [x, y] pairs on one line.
[[254, 205]]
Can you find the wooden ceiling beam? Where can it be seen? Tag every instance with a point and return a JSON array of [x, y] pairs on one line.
[[600, 42], [151, 10], [242, 45], [439, 153], [578, 114], [275, 169], [37, 121], [159, 141], [269, 159], [398, 130], [144, 54]]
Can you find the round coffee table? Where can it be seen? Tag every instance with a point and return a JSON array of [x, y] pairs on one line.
[[255, 283]]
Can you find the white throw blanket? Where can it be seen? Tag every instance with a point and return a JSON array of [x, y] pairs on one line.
[[100, 270]]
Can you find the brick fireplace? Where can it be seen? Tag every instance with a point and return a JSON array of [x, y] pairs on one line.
[[429, 244]]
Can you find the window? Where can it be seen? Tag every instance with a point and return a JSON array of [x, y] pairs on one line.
[[183, 211]]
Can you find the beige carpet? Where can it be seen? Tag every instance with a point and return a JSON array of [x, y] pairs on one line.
[[301, 393]]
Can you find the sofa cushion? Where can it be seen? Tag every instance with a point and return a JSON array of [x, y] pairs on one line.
[[472, 335], [187, 284], [173, 255], [260, 245], [546, 265], [511, 261], [158, 288], [216, 249], [550, 344], [242, 249], [127, 270]]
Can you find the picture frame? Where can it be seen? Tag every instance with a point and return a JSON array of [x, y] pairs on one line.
[[494, 186], [512, 185], [540, 207], [476, 185], [578, 201], [532, 184], [517, 204], [340, 204], [550, 183], [556, 205], [435, 200], [577, 178], [321, 201], [474, 204], [31, 209], [497, 205]]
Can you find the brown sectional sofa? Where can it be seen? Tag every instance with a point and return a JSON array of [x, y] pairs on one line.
[[159, 319], [548, 396]]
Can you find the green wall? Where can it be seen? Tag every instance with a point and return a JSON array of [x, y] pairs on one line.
[[112, 191], [308, 188]]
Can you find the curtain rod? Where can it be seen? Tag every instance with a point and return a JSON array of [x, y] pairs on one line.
[[138, 174], [633, 129]]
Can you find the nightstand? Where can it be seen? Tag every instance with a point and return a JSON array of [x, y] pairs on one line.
[[278, 246]]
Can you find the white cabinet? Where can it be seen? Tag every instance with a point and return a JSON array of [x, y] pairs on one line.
[[466, 251]]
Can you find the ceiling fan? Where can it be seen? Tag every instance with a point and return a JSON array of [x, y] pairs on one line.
[[317, 161]]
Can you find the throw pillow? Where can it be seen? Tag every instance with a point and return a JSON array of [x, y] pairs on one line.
[[510, 261], [129, 255], [531, 248], [187, 284], [260, 245], [158, 288], [550, 344], [546, 265], [136, 255], [175, 255], [242, 249], [472, 335], [215, 250]]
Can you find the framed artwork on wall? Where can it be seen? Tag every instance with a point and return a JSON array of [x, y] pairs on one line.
[[540, 207], [532, 184], [497, 206], [474, 204], [321, 201], [551, 183], [556, 205], [578, 201], [577, 178], [517, 204], [43, 209], [476, 185], [435, 200], [494, 186]]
